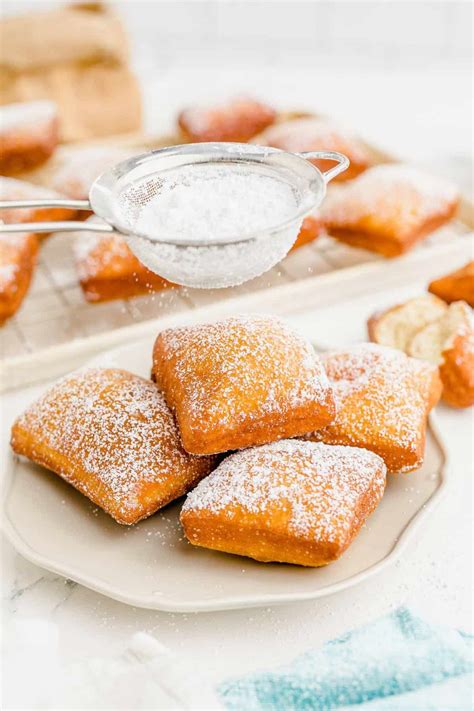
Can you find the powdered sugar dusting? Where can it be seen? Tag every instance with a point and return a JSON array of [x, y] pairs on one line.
[[13, 189], [116, 427], [260, 355], [312, 134], [217, 202], [382, 400], [79, 171], [29, 114], [389, 195], [319, 486], [91, 259]]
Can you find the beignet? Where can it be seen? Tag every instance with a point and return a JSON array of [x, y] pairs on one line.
[[107, 268], [110, 434], [18, 253], [309, 231], [290, 501], [317, 134], [28, 135], [13, 189], [75, 177], [241, 382], [457, 286], [388, 208], [237, 120], [383, 399], [448, 343]]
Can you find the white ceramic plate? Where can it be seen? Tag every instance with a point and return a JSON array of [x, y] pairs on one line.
[[152, 565]]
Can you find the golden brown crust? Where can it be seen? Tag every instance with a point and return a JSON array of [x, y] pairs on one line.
[[383, 399], [18, 255], [29, 143], [456, 286], [110, 434], [241, 382], [14, 189], [457, 371], [289, 501], [388, 209], [310, 230], [238, 121]]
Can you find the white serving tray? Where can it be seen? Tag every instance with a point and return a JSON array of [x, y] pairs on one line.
[[151, 565]]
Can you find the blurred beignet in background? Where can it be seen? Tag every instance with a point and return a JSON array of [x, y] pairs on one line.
[[14, 189], [383, 399], [111, 435], [243, 381], [107, 269], [28, 135], [289, 501], [456, 286], [237, 120], [388, 208], [309, 231], [75, 176], [18, 253], [317, 134]]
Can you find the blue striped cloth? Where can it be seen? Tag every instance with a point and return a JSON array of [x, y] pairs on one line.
[[395, 655]]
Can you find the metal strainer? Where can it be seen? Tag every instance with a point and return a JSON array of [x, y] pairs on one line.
[[120, 195]]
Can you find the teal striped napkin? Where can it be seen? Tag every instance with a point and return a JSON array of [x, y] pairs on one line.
[[397, 654]]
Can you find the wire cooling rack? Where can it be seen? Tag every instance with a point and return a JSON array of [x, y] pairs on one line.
[[55, 311]]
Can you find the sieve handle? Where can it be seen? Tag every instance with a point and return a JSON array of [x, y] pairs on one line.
[[53, 226], [341, 160]]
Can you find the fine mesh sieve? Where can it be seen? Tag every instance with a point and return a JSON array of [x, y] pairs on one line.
[[236, 250]]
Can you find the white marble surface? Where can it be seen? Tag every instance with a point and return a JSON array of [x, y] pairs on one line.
[[52, 625]]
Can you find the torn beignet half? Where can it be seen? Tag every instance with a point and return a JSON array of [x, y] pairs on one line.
[[240, 382], [396, 326], [389, 208], [382, 399], [290, 501], [317, 134], [448, 343], [111, 435]]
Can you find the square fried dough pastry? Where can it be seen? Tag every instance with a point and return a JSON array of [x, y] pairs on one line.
[[289, 501], [75, 176], [18, 253], [28, 135], [237, 120], [317, 134], [241, 382], [107, 268], [110, 434], [456, 286], [389, 208], [14, 189], [383, 399]]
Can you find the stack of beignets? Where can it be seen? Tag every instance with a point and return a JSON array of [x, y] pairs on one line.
[[245, 382]]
